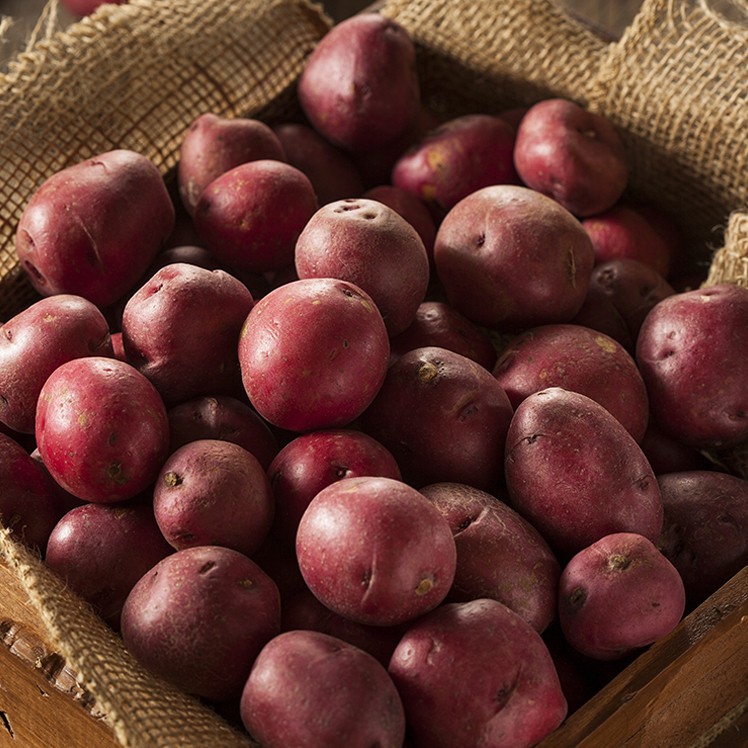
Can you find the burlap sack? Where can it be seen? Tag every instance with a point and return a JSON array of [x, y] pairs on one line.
[[135, 75]]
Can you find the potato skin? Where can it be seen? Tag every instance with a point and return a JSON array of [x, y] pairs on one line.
[[578, 359], [370, 245], [359, 87], [310, 689], [444, 418], [313, 354], [213, 492], [375, 550], [500, 555], [101, 429], [92, 229], [35, 342], [705, 532], [703, 405], [576, 474], [200, 617], [510, 258], [476, 673], [618, 595], [181, 328]]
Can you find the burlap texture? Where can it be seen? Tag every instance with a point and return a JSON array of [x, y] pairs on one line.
[[135, 76]]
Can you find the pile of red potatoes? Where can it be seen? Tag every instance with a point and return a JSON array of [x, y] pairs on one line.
[[373, 429]]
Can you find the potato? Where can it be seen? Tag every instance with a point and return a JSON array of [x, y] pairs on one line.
[[35, 342], [213, 492], [692, 354], [633, 287], [313, 354], [199, 618], [370, 245], [312, 461], [571, 154], [667, 454], [238, 215], [331, 171], [213, 144], [29, 505], [511, 258], [101, 551], [457, 158], [443, 417], [411, 208], [476, 673], [181, 330], [618, 595], [359, 87], [625, 231], [375, 550], [705, 531], [499, 554], [576, 474], [101, 429], [577, 359], [310, 689], [222, 417], [92, 229], [438, 324]]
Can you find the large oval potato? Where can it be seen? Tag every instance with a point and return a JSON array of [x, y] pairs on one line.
[[92, 229], [359, 87], [511, 258], [576, 474]]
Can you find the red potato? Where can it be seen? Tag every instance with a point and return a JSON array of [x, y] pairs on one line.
[[213, 144], [705, 531], [101, 551], [313, 354], [92, 229], [618, 595], [29, 505], [625, 231], [577, 359], [499, 554], [667, 454], [238, 215], [476, 673], [576, 474], [101, 429], [302, 610], [457, 158], [181, 329], [331, 170], [599, 312], [699, 402], [359, 87], [571, 154], [510, 258], [35, 342], [411, 208], [438, 324], [376, 551], [213, 492], [225, 418], [370, 245], [199, 618], [312, 461], [309, 689], [633, 287], [443, 417]]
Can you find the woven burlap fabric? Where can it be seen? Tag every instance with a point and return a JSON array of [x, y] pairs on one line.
[[135, 76]]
